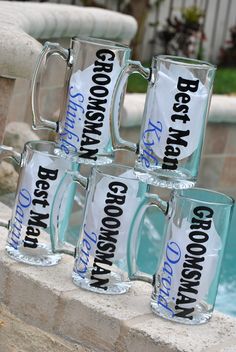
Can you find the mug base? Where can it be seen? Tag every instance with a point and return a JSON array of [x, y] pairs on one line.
[[116, 287], [160, 178], [101, 160], [42, 257], [201, 314]]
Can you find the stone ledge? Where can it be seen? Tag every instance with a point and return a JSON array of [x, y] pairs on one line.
[[46, 298], [222, 109], [17, 336], [22, 23]]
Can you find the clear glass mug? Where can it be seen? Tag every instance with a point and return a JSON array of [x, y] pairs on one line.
[[174, 121], [41, 169], [187, 276], [113, 195], [93, 67]]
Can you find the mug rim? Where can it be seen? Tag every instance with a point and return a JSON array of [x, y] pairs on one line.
[[30, 145], [181, 60], [185, 193], [99, 41]]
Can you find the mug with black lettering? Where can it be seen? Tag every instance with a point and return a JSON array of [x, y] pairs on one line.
[[186, 280], [93, 69], [41, 169], [173, 124], [113, 194]]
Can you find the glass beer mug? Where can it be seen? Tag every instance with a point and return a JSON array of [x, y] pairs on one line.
[[93, 67], [41, 169], [113, 195], [173, 124], [186, 280]]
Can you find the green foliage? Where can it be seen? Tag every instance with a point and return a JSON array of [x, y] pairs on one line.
[[183, 36], [225, 82], [137, 84], [192, 14]]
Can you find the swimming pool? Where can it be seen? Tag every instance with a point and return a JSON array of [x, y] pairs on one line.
[[226, 297]]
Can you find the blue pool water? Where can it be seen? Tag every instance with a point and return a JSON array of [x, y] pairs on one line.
[[226, 297]]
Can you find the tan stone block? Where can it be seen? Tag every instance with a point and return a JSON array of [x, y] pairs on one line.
[[228, 174], [34, 292], [157, 334], [227, 345], [97, 320], [3, 237], [32, 302], [5, 264], [21, 87], [230, 147], [18, 108], [6, 89], [215, 138], [17, 336], [210, 171]]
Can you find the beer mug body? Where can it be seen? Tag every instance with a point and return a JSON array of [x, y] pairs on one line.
[[41, 169], [85, 120], [188, 272], [101, 255], [174, 121]]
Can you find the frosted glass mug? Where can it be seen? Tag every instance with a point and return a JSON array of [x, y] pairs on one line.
[[41, 169], [173, 123], [187, 276], [93, 67]]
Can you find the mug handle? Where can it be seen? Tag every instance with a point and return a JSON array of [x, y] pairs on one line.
[[58, 228], [149, 200], [9, 152], [117, 100], [5, 153], [49, 49]]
